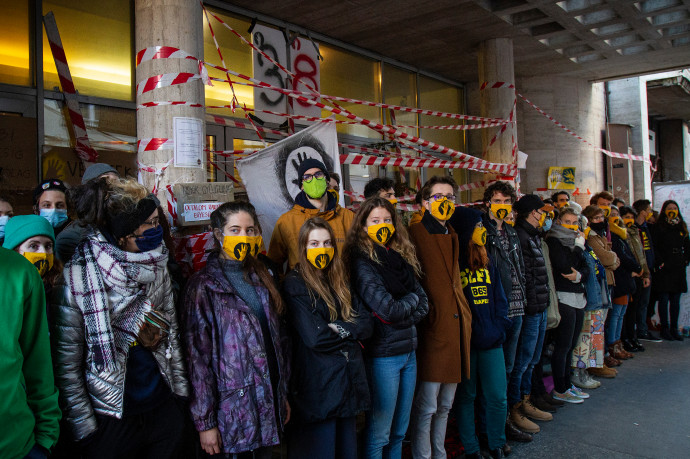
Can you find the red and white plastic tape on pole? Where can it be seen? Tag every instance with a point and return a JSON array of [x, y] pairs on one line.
[[83, 146]]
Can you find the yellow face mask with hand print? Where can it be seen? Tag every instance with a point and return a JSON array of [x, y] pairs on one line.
[[381, 233], [42, 261], [629, 222], [442, 209], [501, 211], [607, 210], [479, 235], [320, 257], [671, 214], [238, 247], [572, 227]]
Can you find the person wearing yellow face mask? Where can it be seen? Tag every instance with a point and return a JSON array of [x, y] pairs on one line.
[[624, 287], [329, 384], [381, 187], [672, 251], [643, 207], [566, 251], [628, 335], [235, 295], [503, 246], [33, 237], [560, 199], [490, 324], [385, 269], [443, 356], [312, 201], [604, 200]]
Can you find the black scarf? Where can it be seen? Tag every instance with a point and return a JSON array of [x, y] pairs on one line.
[[397, 274]]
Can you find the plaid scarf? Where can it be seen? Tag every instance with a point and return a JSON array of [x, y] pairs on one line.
[[110, 287]]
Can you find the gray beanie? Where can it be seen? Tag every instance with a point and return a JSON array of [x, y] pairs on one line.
[[96, 170]]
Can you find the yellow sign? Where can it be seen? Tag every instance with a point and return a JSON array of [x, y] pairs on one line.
[[561, 178]]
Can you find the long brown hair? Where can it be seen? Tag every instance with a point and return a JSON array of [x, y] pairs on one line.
[[477, 258], [357, 237], [328, 281], [219, 219]]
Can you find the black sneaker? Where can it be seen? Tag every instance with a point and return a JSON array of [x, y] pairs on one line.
[[649, 337], [637, 344]]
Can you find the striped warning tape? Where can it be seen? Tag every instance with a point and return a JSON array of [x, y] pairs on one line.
[[82, 145], [165, 80], [154, 144]]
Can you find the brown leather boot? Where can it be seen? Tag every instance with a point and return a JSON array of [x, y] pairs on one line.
[[604, 372], [520, 421], [611, 362], [616, 353], [619, 344], [532, 412]]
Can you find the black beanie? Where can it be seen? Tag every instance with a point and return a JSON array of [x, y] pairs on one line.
[[125, 223], [463, 222], [311, 163]]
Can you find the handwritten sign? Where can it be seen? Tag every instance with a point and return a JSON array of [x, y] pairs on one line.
[[199, 211], [305, 65], [272, 42]]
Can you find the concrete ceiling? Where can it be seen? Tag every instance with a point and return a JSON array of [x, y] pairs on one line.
[[592, 39]]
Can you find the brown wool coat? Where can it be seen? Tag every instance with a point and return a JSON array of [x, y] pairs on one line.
[[443, 354], [608, 258]]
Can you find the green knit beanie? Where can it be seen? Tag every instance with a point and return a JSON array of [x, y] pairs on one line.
[[23, 227]]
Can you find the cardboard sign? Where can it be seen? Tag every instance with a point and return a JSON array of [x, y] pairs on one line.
[[18, 153], [196, 201]]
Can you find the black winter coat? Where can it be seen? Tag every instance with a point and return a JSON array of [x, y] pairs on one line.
[[562, 260], [328, 376], [536, 277], [672, 249], [625, 283], [500, 258], [394, 319]]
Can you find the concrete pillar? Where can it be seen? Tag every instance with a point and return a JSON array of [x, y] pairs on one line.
[[495, 62], [577, 104], [672, 135], [176, 23], [627, 99]]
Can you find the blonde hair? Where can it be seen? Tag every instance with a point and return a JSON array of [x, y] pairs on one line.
[[331, 284]]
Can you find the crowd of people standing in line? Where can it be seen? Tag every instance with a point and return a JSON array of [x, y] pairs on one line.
[[109, 351]]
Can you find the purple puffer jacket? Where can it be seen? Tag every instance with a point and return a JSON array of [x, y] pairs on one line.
[[228, 368]]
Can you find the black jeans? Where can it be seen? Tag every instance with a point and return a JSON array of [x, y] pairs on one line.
[[153, 434], [566, 335], [334, 438], [664, 300]]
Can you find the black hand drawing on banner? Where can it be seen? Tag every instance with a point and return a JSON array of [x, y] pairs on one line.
[[301, 157], [272, 71]]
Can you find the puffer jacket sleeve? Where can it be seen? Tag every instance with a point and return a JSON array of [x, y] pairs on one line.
[[307, 322], [180, 383], [528, 257], [369, 286], [198, 318], [69, 347]]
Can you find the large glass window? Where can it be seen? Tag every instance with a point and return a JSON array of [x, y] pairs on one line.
[[112, 132], [97, 37], [14, 42], [348, 75]]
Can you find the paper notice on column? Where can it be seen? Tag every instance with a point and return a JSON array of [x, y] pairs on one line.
[[189, 142]]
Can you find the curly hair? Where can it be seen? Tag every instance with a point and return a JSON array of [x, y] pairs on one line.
[[94, 201], [358, 239], [504, 188]]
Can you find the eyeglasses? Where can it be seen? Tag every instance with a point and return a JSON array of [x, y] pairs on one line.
[[317, 175], [436, 197], [153, 223]]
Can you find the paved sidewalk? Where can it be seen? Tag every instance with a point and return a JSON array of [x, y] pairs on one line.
[[643, 413]]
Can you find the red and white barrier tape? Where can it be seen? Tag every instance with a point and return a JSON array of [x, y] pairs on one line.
[[496, 85], [164, 80], [360, 197], [226, 174], [154, 144], [220, 54], [172, 205], [162, 52], [613, 154], [82, 144], [158, 173]]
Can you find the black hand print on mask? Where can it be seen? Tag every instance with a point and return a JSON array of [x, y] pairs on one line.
[[301, 157]]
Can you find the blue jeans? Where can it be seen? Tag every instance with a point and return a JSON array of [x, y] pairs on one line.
[[392, 381], [511, 343], [527, 356], [488, 368], [615, 324]]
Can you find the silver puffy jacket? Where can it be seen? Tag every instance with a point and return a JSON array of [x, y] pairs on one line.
[[84, 392]]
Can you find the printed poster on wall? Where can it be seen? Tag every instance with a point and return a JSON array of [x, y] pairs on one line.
[[270, 176], [188, 135], [561, 178]]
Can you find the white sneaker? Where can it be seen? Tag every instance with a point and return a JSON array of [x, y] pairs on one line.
[[577, 392], [566, 397], [580, 379], [595, 383]]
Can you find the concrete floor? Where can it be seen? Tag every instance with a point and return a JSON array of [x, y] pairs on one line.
[[643, 413]]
